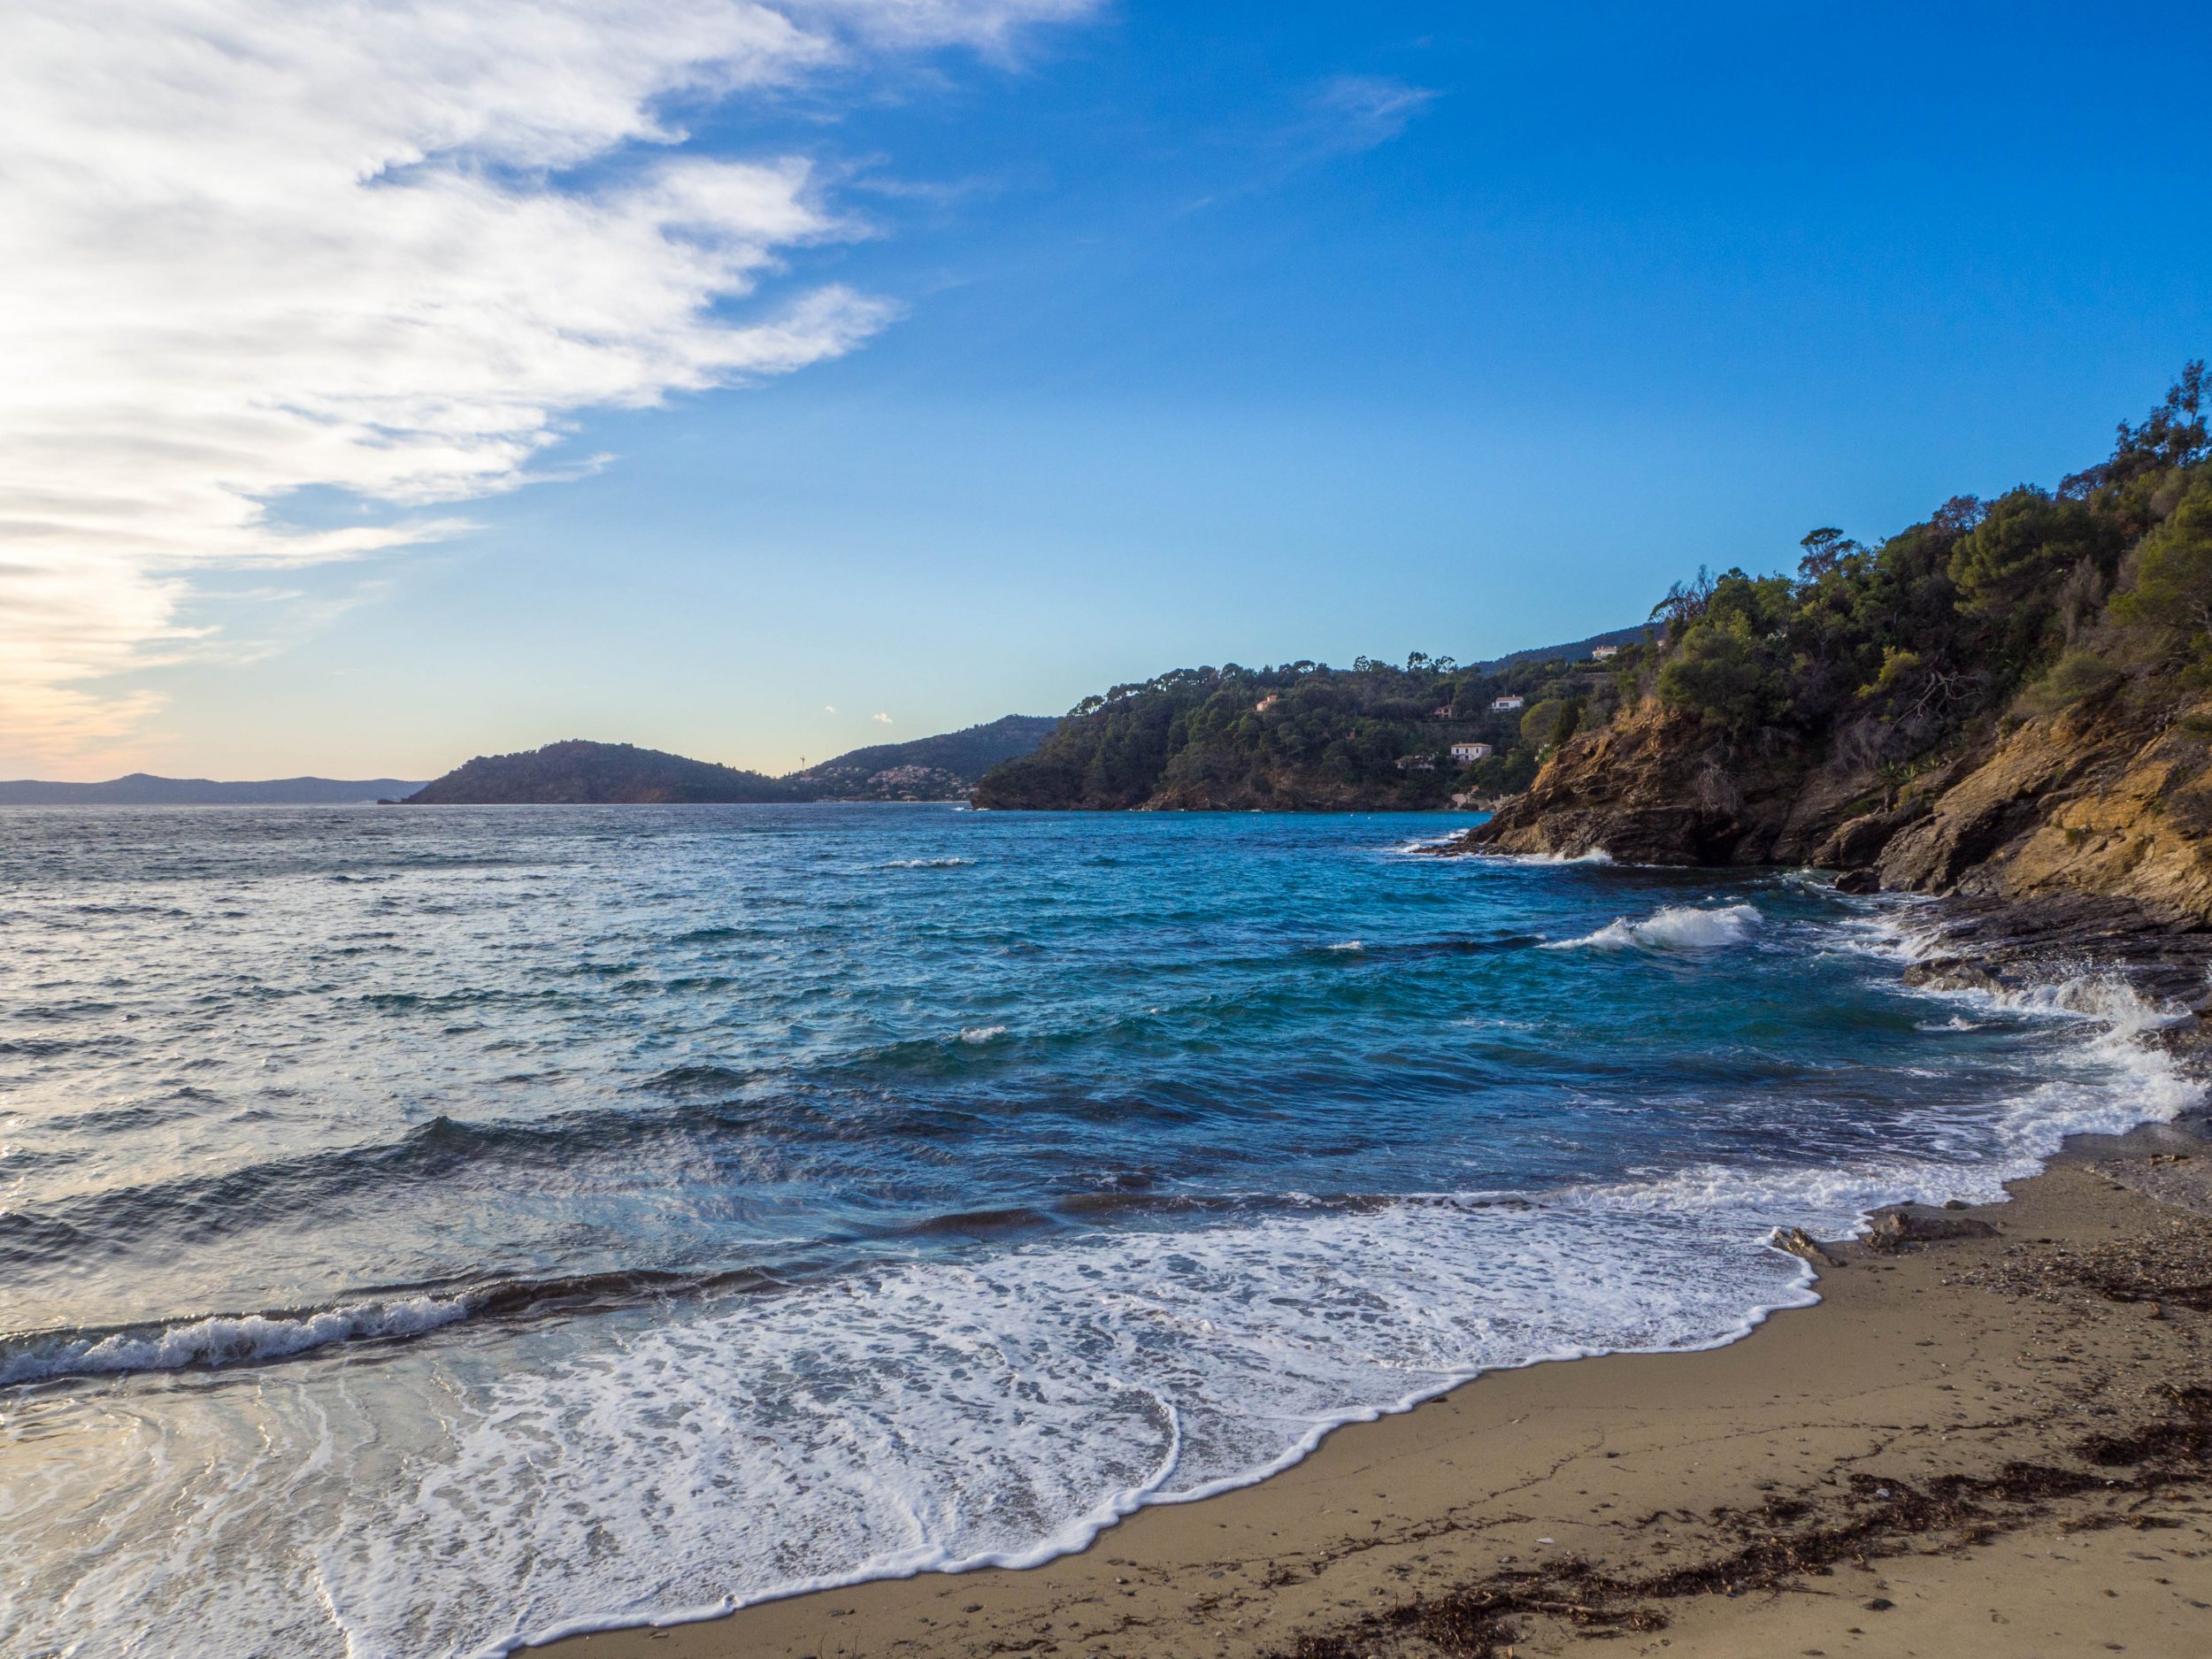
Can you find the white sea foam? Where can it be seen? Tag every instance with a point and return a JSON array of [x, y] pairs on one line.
[[936, 1415], [1349, 945], [925, 864], [229, 1338], [982, 1034], [1428, 843], [1675, 927], [511, 1482]]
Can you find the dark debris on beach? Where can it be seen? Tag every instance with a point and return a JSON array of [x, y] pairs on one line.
[[2112, 1478]]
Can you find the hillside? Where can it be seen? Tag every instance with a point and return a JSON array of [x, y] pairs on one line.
[[1573, 651], [577, 773], [1304, 736], [942, 768], [140, 788], [2011, 699]]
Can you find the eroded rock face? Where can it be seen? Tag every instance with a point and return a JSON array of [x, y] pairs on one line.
[[2082, 802], [1648, 789], [1989, 943]]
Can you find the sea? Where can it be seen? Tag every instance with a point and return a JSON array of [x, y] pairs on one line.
[[424, 1231]]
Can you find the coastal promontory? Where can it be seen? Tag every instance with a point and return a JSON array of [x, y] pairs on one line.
[[577, 773]]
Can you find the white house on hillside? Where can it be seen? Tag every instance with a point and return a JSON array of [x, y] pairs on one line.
[[1508, 703], [1467, 753], [1604, 651]]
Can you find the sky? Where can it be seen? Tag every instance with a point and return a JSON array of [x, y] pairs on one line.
[[392, 381]]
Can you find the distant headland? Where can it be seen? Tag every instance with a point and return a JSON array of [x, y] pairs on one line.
[[577, 773], [140, 789]]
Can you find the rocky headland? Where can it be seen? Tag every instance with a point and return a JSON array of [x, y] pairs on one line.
[[2075, 841], [2006, 707]]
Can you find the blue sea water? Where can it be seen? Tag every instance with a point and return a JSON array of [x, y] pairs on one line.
[[424, 1230]]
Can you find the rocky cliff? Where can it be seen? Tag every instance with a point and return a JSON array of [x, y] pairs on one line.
[[2085, 802]]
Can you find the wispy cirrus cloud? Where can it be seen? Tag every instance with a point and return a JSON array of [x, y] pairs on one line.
[[1353, 112], [384, 246]]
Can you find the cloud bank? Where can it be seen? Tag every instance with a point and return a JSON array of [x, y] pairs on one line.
[[384, 246]]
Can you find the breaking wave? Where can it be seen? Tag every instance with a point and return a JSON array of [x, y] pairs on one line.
[[886, 1285], [1675, 927]]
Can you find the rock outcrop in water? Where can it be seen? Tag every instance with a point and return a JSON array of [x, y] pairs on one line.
[[2011, 702], [2085, 802], [2007, 707]]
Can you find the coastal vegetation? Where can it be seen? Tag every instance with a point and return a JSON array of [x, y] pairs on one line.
[[1303, 735], [577, 773], [942, 768], [2012, 695], [2028, 604]]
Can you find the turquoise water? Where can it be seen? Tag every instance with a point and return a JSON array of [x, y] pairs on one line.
[[421, 1229]]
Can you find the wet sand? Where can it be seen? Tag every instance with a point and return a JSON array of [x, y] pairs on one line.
[[1985, 1446]]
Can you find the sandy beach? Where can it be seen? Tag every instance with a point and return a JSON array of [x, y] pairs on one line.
[[1997, 1444]]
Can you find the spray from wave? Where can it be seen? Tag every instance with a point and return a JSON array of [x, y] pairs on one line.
[[1675, 927], [1591, 855]]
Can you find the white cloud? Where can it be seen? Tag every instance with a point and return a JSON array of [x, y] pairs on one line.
[[882, 718], [1361, 111], [248, 247], [829, 708]]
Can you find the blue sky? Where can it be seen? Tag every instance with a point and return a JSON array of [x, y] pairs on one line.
[[1254, 333]]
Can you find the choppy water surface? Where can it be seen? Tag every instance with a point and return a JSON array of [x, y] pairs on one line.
[[421, 1229]]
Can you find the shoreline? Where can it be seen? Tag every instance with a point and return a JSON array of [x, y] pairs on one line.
[[1980, 947], [1459, 1527]]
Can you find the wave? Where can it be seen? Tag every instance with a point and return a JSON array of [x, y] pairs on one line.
[[982, 1034], [1428, 843], [998, 1408], [223, 1340], [448, 1161], [926, 864], [1591, 855], [1417, 950], [1674, 927]]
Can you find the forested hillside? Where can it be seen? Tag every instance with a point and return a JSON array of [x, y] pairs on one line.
[[1302, 736], [942, 768], [577, 773], [2023, 684]]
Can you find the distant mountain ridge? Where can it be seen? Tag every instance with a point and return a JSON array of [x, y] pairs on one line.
[[579, 773], [1574, 650], [140, 789], [942, 768]]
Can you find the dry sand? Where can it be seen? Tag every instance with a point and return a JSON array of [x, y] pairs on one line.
[[1996, 1446]]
